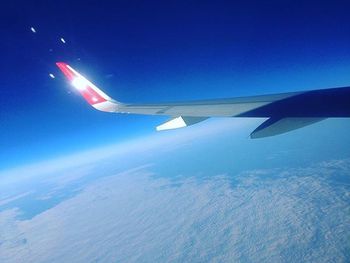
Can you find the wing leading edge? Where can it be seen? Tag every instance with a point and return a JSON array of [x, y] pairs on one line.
[[286, 111]]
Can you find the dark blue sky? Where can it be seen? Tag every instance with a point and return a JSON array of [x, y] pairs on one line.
[[147, 51]]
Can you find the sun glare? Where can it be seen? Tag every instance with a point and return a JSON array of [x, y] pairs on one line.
[[79, 83]]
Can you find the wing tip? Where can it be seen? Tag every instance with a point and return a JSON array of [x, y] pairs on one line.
[[61, 64], [66, 70]]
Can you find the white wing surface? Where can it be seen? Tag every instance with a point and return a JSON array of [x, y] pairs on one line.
[[286, 111]]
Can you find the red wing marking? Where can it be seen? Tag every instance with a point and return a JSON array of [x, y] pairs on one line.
[[88, 90]]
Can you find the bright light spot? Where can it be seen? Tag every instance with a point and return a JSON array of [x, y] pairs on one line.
[[79, 83], [63, 41], [33, 29], [94, 99], [52, 75]]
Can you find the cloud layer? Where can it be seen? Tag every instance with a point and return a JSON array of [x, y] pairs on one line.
[[278, 215]]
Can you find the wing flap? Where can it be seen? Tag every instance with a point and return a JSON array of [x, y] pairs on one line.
[[274, 126], [179, 122]]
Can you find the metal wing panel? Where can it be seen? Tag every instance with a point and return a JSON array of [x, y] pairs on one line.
[[206, 108]]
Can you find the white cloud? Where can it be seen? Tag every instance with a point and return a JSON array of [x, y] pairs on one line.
[[6, 200], [294, 215]]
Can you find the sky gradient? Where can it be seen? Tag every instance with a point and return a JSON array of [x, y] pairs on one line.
[[150, 51]]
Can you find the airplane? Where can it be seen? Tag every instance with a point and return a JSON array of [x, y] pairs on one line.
[[285, 111]]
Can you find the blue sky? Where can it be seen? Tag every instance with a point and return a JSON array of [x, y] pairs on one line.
[[149, 51]]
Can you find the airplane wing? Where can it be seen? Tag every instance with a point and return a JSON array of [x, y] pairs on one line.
[[285, 111]]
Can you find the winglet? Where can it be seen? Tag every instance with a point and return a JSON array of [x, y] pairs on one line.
[[92, 94]]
